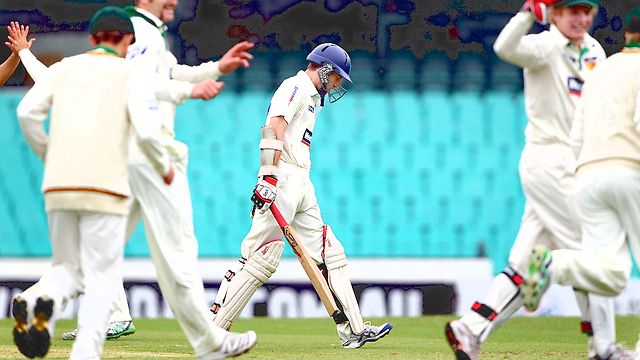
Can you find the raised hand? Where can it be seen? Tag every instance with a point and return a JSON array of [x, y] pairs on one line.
[[235, 57], [18, 37]]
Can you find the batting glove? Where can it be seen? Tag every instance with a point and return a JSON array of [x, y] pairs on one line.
[[540, 9], [264, 194]]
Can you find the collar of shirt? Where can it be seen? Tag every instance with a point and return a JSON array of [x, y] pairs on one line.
[[100, 49], [563, 40], [148, 17], [631, 47], [307, 85]]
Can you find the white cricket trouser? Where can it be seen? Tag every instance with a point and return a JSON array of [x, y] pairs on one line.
[[546, 174], [298, 204], [87, 254], [168, 223], [609, 211]]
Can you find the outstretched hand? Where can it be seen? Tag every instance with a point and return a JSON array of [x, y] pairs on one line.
[[235, 57], [18, 37]]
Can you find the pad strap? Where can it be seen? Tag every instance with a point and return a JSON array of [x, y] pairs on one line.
[[513, 275], [585, 327], [484, 311]]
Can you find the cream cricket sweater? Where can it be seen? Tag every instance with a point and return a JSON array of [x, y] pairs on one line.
[[91, 97], [607, 122]]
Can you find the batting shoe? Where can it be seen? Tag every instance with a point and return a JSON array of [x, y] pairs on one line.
[[234, 344], [538, 279], [619, 352], [464, 344], [34, 340], [369, 334], [115, 330]]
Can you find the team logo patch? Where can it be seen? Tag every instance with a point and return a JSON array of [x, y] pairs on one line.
[[575, 85], [312, 109], [590, 63], [293, 94], [306, 138]]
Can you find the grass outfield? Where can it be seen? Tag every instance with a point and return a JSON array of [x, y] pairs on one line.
[[412, 338]]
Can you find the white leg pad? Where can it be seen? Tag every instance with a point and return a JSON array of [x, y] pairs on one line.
[[255, 272], [336, 260]]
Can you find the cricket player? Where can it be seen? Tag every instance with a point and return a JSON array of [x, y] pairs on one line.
[[170, 237], [96, 100], [283, 177], [167, 209], [556, 63], [606, 138]]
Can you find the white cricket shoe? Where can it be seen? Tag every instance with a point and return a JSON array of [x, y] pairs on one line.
[[114, 331], [464, 344], [369, 334], [234, 344], [620, 352]]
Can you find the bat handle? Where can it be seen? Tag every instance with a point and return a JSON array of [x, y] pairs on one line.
[[278, 216]]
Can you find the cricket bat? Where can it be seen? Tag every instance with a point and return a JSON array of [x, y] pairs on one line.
[[313, 272]]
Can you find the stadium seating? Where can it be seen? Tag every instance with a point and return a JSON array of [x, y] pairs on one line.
[[398, 173]]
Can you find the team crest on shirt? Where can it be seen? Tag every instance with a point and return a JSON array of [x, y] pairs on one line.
[[306, 138], [312, 109], [575, 85], [590, 63]]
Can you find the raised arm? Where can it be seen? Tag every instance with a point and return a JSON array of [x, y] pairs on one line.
[[33, 110], [19, 44], [234, 58], [514, 46]]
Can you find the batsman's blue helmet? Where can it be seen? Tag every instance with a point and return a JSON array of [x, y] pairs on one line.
[[333, 54]]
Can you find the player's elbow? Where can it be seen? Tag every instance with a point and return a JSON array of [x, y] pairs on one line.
[[501, 50]]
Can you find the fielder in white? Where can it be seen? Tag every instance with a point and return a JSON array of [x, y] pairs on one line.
[[606, 138], [556, 63], [285, 165], [166, 210], [96, 100]]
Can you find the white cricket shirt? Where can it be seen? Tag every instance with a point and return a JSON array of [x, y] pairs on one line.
[[554, 72], [298, 101]]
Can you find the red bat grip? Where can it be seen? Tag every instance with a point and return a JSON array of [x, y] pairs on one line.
[[279, 218]]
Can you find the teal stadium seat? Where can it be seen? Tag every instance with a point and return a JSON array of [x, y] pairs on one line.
[[397, 173], [435, 72]]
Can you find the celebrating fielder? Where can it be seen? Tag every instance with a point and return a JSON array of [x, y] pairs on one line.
[[606, 138], [284, 171], [556, 63], [95, 99]]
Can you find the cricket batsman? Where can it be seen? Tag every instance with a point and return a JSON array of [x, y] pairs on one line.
[[556, 63], [283, 177]]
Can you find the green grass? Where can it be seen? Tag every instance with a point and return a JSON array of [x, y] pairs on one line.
[[412, 338]]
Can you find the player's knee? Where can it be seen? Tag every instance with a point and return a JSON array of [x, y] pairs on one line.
[[618, 281], [264, 262], [333, 254]]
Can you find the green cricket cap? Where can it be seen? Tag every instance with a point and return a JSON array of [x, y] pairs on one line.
[[111, 18], [632, 20], [592, 3]]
